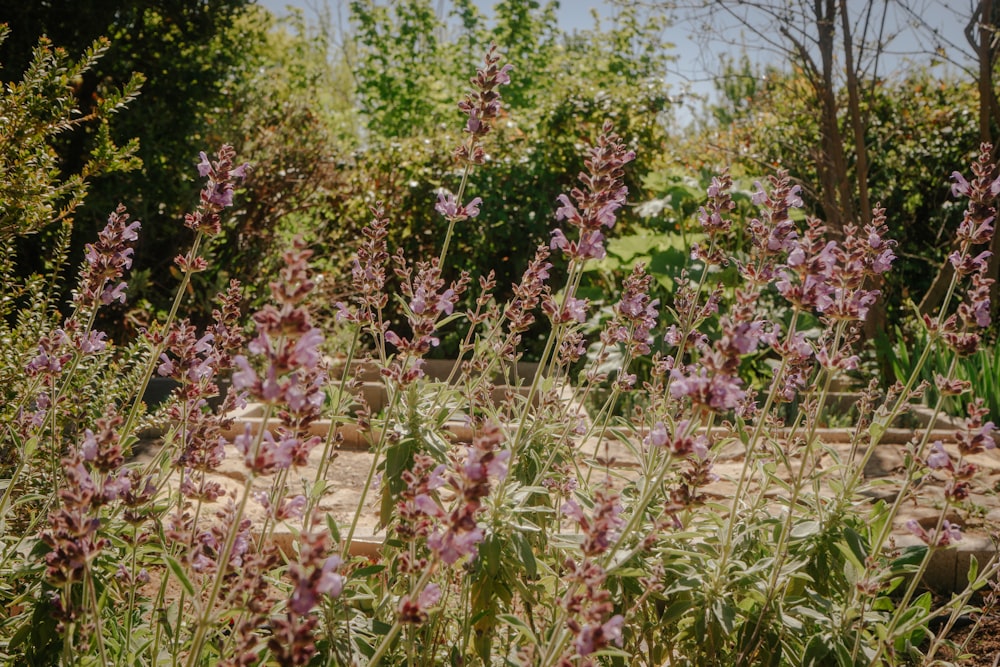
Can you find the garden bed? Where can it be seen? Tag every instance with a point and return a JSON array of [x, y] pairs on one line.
[[947, 572]]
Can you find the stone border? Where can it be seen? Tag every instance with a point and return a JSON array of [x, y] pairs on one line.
[[948, 569]]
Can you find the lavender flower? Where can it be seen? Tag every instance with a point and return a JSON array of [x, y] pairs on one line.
[[593, 622], [600, 530], [950, 533], [775, 233], [527, 293], [106, 262], [482, 106], [428, 300], [217, 194], [713, 221], [636, 312], [977, 435], [715, 391], [938, 458], [414, 611], [681, 445], [314, 576], [451, 209], [595, 205], [470, 479]]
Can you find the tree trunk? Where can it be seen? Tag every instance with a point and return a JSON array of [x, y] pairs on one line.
[[857, 125], [837, 194], [979, 33], [986, 50]]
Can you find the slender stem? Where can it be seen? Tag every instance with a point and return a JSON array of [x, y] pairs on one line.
[[67, 647], [915, 581], [750, 450], [324, 463], [164, 329], [11, 483], [397, 624], [223, 561], [130, 609], [376, 455], [91, 594], [650, 488], [780, 550], [958, 607], [223, 564], [546, 366], [458, 200]]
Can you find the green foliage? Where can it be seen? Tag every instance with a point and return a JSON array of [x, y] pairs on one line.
[[188, 53], [916, 127], [289, 114], [981, 369], [518, 527], [38, 114], [563, 87]]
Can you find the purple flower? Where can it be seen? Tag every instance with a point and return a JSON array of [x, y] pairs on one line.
[[716, 391], [449, 207], [482, 105], [950, 534], [591, 245], [595, 636], [576, 309], [94, 342], [291, 508], [88, 448], [117, 486], [503, 76], [116, 293], [595, 205], [216, 195], [245, 377], [330, 583], [658, 436], [745, 336], [566, 211], [270, 456], [313, 577], [938, 458], [451, 545], [204, 166], [416, 611], [559, 240]]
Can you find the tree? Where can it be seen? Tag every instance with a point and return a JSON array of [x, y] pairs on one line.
[[563, 87], [978, 58], [36, 112], [921, 125], [835, 49], [188, 51]]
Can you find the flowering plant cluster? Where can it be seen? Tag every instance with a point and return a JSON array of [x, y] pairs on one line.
[[515, 527]]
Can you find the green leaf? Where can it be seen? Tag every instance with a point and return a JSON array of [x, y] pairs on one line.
[[331, 525], [973, 569], [179, 572], [876, 430], [364, 572], [676, 611], [805, 529], [858, 550], [522, 628], [816, 652], [527, 555]]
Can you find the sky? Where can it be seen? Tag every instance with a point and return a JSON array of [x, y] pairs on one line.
[[698, 50]]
